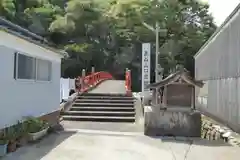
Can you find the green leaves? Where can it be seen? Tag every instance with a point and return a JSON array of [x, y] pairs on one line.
[[8, 6], [77, 47], [62, 25]]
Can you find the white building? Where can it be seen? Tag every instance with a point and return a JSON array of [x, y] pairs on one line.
[[29, 75]]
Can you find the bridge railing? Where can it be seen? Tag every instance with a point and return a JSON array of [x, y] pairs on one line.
[[84, 83], [128, 82], [89, 81]]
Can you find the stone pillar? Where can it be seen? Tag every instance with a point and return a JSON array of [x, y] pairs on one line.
[[83, 73], [165, 96], [82, 81], [93, 70], [154, 97], [193, 98], [160, 96]]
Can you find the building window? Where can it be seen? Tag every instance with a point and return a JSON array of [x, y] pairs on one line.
[[44, 70], [26, 67], [31, 68]]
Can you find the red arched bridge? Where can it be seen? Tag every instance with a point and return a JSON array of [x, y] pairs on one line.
[[103, 82], [102, 98]]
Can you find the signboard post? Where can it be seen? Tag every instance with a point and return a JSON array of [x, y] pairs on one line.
[[146, 51]]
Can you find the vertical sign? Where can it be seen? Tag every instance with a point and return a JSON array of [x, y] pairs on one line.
[[145, 66]]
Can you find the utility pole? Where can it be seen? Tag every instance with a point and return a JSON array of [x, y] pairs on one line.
[[156, 30], [157, 52]]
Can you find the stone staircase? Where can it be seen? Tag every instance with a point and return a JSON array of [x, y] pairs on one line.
[[101, 108]]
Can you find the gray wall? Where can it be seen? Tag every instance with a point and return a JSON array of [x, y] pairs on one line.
[[221, 100], [220, 58], [25, 98], [218, 64]]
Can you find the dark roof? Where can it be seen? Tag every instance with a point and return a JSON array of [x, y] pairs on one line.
[[183, 73], [29, 36], [227, 20]]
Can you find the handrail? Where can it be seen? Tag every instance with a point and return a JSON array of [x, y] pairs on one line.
[[87, 82], [92, 80], [128, 83]]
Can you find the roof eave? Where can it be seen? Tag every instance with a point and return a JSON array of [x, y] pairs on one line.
[[174, 77], [60, 53], [16, 30]]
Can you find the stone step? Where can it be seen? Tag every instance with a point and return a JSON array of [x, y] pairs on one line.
[[117, 109], [101, 113], [105, 94], [99, 118], [101, 108], [105, 97], [103, 101], [103, 104]]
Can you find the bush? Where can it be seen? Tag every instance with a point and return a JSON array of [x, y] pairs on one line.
[[3, 138], [35, 124]]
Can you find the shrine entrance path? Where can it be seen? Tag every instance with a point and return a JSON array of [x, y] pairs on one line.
[[109, 145]]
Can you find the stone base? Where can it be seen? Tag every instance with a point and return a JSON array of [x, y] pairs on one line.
[[172, 122], [52, 118]]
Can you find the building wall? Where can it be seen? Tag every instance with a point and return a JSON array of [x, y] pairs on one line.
[[220, 57], [66, 84], [221, 100], [19, 98], [218, 65]]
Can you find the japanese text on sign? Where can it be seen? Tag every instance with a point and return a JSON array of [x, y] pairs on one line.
[[145, 66]]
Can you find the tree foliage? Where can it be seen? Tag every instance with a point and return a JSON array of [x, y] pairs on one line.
[[108, 34]]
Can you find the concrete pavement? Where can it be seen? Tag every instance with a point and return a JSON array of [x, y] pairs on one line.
[[107, 145], [104, 126], [123, 142]]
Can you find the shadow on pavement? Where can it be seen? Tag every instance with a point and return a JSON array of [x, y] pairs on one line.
[[38, 150]]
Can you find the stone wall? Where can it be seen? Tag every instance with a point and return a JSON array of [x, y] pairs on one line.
[[212, 130], [172, 122], [52, 118]]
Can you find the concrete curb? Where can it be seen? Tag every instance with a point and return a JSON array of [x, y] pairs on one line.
[[103, 132]]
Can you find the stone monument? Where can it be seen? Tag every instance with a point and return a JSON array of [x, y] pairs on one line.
[[172, 112]]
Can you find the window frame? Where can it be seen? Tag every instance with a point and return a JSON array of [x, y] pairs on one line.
[[16, 68], [50, 70], [15, 71]]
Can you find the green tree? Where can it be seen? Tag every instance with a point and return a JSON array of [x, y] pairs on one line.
[[187, 22], [108, 34]]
